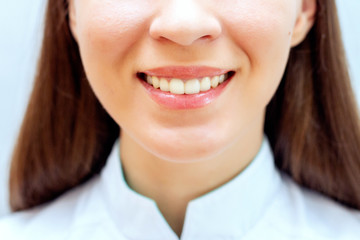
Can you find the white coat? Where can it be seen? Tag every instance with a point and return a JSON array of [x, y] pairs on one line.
[[258, 204]]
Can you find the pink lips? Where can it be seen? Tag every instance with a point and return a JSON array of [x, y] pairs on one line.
[[186, 73], [191, 101]]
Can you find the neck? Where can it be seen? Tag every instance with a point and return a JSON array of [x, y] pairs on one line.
[[172, 185]]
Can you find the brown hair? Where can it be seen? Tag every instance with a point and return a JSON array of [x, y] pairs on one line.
[[311, 122]]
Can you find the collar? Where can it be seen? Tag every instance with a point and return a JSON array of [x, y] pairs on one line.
[[229, 211]]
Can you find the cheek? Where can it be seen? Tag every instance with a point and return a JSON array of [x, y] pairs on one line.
[[108, 33], [260, 23], [109, 29], [262, 30]]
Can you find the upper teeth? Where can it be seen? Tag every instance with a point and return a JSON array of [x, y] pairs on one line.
[[179, 86]]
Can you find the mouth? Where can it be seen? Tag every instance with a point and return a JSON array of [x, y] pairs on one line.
[[185, 87], [181, 86], [186, 82]]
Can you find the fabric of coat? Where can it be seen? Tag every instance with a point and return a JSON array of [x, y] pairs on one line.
[[260, 203]]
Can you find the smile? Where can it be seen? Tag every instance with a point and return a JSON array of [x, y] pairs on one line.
[[182, 86], [185, 87]]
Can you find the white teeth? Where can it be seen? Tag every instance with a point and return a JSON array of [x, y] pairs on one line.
[[164, 85], [222, 78], [155, 82], [149, 80], [177, 86], [205, 84], [192, 86], [215, 81]]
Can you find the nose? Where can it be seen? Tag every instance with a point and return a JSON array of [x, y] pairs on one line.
[[184, 22]]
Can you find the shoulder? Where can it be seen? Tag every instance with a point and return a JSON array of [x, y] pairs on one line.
[[314, 216], [53, 220]]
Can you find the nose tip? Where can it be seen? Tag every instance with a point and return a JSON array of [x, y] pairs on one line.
[[184, 22]]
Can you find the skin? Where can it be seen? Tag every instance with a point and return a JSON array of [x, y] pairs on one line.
[[174, 156]]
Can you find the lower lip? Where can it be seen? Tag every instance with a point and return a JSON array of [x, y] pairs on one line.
[[184, 101]]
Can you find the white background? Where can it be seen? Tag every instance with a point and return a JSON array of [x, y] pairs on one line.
[[21, 23]]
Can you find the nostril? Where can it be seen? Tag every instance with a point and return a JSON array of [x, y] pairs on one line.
[[183, 29]]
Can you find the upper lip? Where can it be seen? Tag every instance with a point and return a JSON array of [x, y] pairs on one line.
[[186, 72]]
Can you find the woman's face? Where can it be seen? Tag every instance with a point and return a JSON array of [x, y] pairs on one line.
[[124, 42]]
